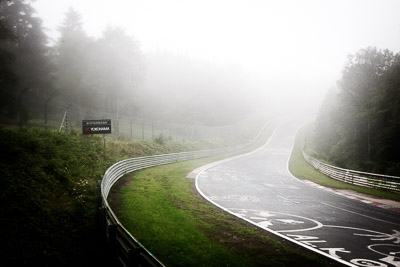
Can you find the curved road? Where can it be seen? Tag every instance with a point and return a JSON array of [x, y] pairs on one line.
[[259, 188]]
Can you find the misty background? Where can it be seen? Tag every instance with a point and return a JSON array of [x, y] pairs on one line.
[[288, 51], [178, 75], [208, 63]]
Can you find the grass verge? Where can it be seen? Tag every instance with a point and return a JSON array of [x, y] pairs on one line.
[[48, 191], [162, 209], [302, 170]]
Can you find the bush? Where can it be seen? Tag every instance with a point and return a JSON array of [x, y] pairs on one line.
[[160, 139]]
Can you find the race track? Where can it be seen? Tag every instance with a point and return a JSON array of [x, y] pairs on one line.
[[259, 188]]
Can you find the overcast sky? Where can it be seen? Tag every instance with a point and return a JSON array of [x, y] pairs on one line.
[[294, 46]]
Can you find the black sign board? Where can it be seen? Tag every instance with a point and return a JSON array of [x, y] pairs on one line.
[[96, 126]]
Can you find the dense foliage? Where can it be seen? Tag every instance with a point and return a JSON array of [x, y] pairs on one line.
[[358, 125]]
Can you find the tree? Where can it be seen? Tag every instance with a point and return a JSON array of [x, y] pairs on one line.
[[360, 131], [24, 52], [359, 84], [71, 59], [7, 77], [117, 69], [388, 105]]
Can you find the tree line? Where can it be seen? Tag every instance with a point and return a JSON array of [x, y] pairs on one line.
[[358, 125], [109, 74], [77, 69]]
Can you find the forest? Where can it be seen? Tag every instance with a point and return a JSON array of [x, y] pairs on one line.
[[104, 77], [358, 124], [109, 76]]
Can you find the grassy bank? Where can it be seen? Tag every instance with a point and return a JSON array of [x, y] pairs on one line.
[[48, 192], [162, 209], [48, 197], [302, 170]]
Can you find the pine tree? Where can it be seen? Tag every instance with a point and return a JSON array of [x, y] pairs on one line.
[[23, 49], [71, 59]]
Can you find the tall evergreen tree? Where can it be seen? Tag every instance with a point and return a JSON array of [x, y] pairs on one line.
[[23, 49], [7, 77], [71, 59]]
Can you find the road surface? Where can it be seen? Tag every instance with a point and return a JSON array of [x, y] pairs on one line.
[[259, 188]]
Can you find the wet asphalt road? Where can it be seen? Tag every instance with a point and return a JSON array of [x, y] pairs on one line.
[[259, 188]]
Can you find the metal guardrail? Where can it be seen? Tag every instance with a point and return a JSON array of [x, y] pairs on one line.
[[372, 180], [124, 247]]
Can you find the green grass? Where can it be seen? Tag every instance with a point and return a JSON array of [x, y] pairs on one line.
[[48, 196], [47, 191], [302, 170], [161, 208]]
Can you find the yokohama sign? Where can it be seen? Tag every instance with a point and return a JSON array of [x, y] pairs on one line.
[[96, 126]]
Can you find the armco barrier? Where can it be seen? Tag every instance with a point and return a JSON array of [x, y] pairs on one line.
[[122, 245], [372, 180]]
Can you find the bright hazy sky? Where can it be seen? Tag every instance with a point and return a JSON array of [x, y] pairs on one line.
[[294, 44]]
